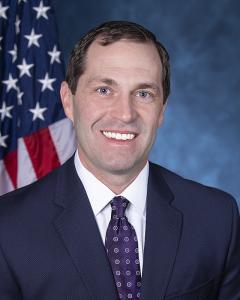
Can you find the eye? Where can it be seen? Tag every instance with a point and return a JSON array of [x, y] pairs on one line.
[[103, 91], [144, 94]]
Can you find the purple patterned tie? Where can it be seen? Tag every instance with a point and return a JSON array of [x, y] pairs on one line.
[[122, 249]]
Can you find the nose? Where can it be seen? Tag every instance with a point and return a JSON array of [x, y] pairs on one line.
[[124, 109]]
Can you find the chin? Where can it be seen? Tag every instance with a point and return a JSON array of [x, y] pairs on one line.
[[123, 168]]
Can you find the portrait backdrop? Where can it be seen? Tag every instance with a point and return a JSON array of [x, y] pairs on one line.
[[200, 138]]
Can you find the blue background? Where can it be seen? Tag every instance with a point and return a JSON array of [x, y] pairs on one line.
[[200, 136]]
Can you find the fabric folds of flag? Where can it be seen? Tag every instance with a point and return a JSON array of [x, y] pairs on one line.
[[35, 135]]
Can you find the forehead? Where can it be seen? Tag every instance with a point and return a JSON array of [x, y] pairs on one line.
[[124, 56]]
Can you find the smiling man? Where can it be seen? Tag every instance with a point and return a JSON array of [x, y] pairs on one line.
[[109, 224], [116, 107]]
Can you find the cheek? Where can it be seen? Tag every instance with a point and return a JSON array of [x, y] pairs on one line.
[[79, 110], [158, 117], [85, 116], [152, 119], [160, 121]]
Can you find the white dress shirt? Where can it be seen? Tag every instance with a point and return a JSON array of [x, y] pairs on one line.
[[100, 196]]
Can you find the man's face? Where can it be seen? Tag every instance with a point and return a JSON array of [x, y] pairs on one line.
[[117, 107]]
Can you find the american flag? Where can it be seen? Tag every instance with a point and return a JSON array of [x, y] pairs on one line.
[[35, 136]]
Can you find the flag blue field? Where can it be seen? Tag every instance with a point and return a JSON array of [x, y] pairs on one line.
[[35, 136]]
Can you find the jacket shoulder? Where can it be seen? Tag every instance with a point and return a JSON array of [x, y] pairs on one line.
[[33, 197], [192, 192]]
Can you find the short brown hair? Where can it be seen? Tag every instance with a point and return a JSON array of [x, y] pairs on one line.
[[111, 32]]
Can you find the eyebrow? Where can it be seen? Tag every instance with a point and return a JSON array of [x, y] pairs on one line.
[[108, 81], [150, 85]]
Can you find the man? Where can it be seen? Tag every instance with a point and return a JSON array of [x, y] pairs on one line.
[[108, 224]]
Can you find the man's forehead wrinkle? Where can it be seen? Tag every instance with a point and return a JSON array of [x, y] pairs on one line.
[[111, 81]]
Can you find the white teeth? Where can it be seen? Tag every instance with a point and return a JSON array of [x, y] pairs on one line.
[[119, 136]]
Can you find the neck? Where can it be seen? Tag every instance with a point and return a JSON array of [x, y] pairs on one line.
[[117, 182]]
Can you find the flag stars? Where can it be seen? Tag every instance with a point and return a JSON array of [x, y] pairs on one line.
[[0, 41], [41, 10], [17, 25], [25, 68], [5, 111], [47, 82], [38, 112], [13, 52], [55, 54], [19, 97], [33, 38], [3, 10], [11, 83], [2, 140]]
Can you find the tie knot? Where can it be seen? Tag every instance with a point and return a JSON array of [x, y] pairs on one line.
[[119, 205]]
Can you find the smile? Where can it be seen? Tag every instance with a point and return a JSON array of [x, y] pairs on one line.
[[118, 135]]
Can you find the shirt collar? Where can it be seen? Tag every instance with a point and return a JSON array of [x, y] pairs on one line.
[[100, 195]]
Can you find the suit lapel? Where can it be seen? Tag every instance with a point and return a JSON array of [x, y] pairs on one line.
[[163, 233], [79, 232]]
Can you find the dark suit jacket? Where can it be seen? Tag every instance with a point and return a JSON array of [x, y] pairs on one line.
[[51, 248]]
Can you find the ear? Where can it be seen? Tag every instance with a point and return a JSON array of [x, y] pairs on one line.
[[161, 116], [67, 99]]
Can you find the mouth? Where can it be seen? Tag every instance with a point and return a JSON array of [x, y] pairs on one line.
[[120, 136]]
